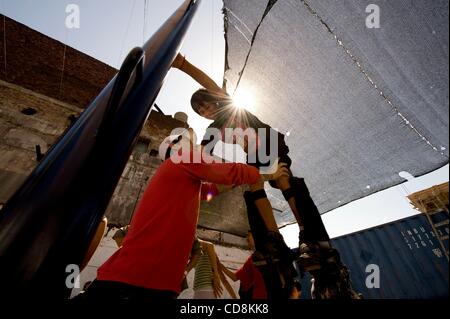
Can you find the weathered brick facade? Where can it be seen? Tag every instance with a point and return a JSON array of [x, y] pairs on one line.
[[49, 67], [42, 93], [20, 133], [140, 168]]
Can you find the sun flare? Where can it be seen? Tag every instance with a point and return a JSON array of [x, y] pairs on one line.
[[245, 99]]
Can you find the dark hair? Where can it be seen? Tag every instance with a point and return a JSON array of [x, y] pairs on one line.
[[205, 96]]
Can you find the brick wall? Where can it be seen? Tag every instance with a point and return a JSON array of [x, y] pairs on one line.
[[140, 168], [44, 85], [47, 119], [46, 66]]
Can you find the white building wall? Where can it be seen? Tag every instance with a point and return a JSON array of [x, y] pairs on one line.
[[105, 250]]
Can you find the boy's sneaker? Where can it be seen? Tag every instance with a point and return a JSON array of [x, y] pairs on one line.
[[309, 258], [278, 247], [259, 259]]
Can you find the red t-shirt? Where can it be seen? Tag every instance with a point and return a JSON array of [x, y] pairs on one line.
[[251, 277], [156, 249]]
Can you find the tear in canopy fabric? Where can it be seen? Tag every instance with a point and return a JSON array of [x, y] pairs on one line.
[[359, 104]]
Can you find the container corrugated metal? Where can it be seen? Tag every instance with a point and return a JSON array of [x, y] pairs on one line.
[[440, 220], [412, 264]]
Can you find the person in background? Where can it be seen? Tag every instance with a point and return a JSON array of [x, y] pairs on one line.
[[296, 291], [204, 260], [252, 284], [120, 234], [252, 281]]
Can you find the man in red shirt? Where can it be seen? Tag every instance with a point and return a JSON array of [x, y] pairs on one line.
[[151, 262]]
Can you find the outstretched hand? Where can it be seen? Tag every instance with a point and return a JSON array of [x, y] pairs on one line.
[[282, 171]]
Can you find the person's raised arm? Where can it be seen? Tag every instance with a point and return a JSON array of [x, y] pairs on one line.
[[223, 173], [225, 282], [192, 262], [209, 248], [228, 272], [198, 75], [231, 173]]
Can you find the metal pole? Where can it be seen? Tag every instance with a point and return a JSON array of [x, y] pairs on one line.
[[49, 222]]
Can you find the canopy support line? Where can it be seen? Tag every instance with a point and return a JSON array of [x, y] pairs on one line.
[[269, 7]]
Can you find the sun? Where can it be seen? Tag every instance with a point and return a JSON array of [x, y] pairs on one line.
[[244, 98]]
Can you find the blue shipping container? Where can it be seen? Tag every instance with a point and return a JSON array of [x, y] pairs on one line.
[[410, 260]]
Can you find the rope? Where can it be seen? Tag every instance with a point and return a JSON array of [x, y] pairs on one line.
[[63, 64], [242, 33], [145, 21], [269, 7], [370, 80], [240, 21], [212, 36], [4, 43], [62, 71], [126, 33]]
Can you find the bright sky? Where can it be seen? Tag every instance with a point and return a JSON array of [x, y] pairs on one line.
[[110, 28]]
